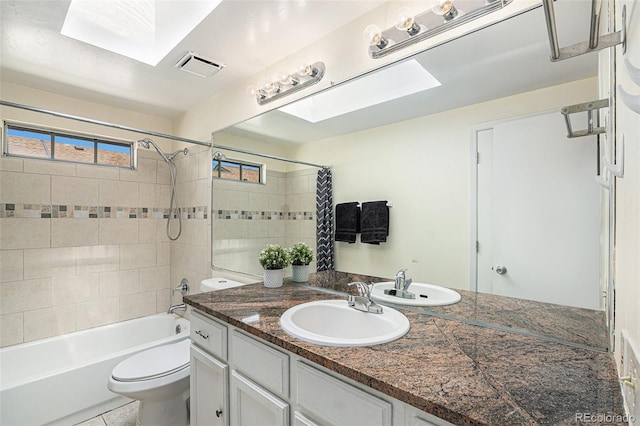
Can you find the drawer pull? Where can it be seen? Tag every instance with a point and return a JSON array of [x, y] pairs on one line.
[[201, 334], [218, 413]]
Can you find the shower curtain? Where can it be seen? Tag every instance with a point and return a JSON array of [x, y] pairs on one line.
[[324, 221]]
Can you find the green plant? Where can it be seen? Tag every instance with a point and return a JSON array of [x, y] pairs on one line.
[[274, 257], [301, 254]]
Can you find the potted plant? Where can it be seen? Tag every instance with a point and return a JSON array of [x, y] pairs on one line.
[[301, 257], [274, 259]]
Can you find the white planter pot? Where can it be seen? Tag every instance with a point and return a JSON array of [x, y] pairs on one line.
[[273, 277], [300, 273]]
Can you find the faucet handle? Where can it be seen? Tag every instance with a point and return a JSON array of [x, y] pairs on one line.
[[401, 273], [364, 290], [183, 288]]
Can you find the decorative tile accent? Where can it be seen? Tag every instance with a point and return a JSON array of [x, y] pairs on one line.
[[261, 215], [60, 211]]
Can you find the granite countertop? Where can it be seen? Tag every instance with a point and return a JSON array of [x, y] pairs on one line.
[[461, 372]]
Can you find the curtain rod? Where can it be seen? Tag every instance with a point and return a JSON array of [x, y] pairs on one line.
[[102, 123], [273, 157]]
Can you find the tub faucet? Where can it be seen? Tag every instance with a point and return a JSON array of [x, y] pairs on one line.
[[183, 288], [363, 301], [401, 285], [180, 307]]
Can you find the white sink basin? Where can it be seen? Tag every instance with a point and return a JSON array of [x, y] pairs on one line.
[[426, 295], [334, 323]]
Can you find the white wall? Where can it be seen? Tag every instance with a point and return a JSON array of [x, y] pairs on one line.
[[627, 237], [407, 163]]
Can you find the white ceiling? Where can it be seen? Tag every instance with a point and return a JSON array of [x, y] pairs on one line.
[[249, 36], [245, 35]]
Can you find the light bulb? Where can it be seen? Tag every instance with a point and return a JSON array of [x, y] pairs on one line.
[[374, 37], [287, 79], [303, 69], [405, 21], [257, 93], [271, 86], [445, 8]]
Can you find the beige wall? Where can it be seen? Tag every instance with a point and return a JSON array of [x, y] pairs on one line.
[[282, 211], [62, 274], [406, 163]]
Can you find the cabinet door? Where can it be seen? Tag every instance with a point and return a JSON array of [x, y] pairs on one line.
[[209, 384], [252, 405]]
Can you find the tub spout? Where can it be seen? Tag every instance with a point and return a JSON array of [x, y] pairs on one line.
[[180, 307]]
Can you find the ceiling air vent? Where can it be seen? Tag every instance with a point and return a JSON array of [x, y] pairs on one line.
[[195, 64]]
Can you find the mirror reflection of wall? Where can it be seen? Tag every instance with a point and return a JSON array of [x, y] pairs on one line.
[[418, 152], [274, 204]]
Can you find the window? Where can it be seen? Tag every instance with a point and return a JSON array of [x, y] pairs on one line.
[[237, 170], [32, 142]]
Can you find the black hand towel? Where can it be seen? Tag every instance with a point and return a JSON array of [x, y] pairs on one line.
[[347, 222], [374, 222]]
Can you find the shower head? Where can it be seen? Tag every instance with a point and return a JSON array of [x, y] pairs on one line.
[[147, 143], [144, 143]]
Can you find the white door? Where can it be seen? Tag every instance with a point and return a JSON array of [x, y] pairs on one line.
[[538, 212], [209, 383]]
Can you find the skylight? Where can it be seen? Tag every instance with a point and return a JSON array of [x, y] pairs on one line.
[[144, 30], [400, 80]]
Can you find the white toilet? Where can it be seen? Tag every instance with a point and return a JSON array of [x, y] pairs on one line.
[[159, 379]]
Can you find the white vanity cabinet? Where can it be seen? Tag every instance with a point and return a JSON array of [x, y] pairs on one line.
[[262, 384], [209, 381]]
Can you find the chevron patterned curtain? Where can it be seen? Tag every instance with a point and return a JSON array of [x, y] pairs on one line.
[[324, 221]]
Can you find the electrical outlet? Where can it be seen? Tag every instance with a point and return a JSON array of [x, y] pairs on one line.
[[630, 376], [414, 260]]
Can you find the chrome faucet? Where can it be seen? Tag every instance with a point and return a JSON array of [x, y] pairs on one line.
[[401, 285], [183, 288], [362, 302], [180, 307]]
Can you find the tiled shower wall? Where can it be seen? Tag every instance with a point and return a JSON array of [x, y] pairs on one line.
[[248, 216], [81, 245], [190, 253]]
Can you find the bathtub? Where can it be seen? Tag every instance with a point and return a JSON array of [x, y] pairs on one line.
[[63, 379]]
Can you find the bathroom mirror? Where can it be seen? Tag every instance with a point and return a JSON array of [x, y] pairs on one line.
[[419, 153]]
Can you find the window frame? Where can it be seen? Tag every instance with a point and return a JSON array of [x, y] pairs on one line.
[[262, 170], [62, 133]]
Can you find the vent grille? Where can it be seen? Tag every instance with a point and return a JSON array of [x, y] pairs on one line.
[[196, 64]]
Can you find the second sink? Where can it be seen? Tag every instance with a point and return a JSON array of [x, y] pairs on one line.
[[334, 323], [426, 295]]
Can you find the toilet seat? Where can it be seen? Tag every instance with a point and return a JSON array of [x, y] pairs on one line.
[[154, 363]]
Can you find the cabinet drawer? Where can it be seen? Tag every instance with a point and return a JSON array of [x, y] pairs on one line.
[[209, 335], [261, 363], [341, 403]]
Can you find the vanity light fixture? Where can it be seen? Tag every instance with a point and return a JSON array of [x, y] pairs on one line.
[[304, 76], [410, 29]]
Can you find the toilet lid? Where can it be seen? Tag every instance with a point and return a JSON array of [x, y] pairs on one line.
[[153, 363]]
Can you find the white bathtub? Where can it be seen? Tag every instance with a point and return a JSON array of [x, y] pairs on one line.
[[63, 379]]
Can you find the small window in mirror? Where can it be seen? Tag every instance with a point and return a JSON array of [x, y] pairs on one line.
[[237, 170]]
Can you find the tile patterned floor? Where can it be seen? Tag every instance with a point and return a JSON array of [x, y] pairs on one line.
[[122, 416]]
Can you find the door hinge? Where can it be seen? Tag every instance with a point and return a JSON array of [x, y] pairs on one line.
[[477, 158], [477, 247]]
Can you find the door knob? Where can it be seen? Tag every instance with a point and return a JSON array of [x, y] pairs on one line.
[[501, 269]]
